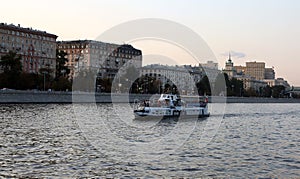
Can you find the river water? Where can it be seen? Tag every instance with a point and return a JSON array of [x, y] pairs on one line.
[[103, 140]]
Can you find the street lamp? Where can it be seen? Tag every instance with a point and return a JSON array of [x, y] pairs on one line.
[[44, 72]]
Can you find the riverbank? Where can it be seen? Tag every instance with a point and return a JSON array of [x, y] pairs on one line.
[[11, 97]]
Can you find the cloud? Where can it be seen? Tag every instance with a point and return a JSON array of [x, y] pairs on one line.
[[234, 54]]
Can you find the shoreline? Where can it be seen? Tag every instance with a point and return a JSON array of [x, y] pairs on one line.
[[44, 97]]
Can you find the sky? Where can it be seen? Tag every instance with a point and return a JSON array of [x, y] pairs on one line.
[[251, 30]]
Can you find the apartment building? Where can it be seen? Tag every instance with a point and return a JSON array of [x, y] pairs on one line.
[[106, 58], [37, 48]]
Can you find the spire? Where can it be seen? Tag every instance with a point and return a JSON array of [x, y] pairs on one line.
[[229, 57]]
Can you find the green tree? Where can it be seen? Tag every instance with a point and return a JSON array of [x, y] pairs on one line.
[[11, 63], [267, 91], [85, 81], [62, 84], [148, 84], [236, 87], [12, 69], [277, 91], [250, 93], [29, 81], [103, 85], [220, 84], [204, 86], [61, 68]]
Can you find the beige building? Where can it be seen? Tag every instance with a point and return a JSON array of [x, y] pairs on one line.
[[270, 82], [210, 69], [269, 73], [277, 81], [210, 65], [251, 83], [37, 48], [177, 75], [240, 70], [256, 70], [106, 58]]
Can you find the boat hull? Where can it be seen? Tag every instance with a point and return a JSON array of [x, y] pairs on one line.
[[149, 113]]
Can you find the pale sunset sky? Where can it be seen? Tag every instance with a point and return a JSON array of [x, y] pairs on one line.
[[252, 30]]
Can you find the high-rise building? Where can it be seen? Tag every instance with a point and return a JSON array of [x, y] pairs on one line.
[[37, 48], [106, 58], [269, 73], [255, 69]]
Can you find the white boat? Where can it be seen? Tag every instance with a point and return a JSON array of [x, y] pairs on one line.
[[170, 105]]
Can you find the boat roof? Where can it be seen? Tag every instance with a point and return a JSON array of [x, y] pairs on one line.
[[168, 97]]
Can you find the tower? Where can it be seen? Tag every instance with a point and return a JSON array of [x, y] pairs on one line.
[[229, 68]]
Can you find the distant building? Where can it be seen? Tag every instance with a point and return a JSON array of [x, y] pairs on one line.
[[195, 71], [210, 65], [251, 83], [37, 48], [283, 82], [210, 69], [270, 82], [172, 75], [229, 68], [240, 70], [256, 70], [106, 58], [254, 75], [269, 73]]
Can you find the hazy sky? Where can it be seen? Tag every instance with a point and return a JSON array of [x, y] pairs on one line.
[[254, 30]]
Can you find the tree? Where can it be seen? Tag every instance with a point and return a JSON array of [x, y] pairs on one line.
[[103, 85], [11, 63], [250, 93], [220, 84], [267, 91], [149, 85], [85, 81], [62, 84], [236, 87], [61, 68], [12, 69], [278, 91], [204, 86]]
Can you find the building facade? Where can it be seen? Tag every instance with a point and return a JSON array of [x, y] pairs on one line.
[[180, 76], [269, 73], [240, 70], [210, 69], [37, 48], [251, 83], [255, 69], [106, 58], [210, 64]]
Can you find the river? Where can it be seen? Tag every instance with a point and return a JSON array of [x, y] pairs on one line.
[[103, 140]]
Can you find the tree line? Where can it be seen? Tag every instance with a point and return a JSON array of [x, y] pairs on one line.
[[13, 77]]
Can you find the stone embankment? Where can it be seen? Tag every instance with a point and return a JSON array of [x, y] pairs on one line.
[[9, 97]]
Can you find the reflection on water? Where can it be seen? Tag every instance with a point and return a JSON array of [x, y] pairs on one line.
[[259, 140]]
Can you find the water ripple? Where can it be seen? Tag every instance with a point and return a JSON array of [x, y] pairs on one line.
[[45, 141]]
